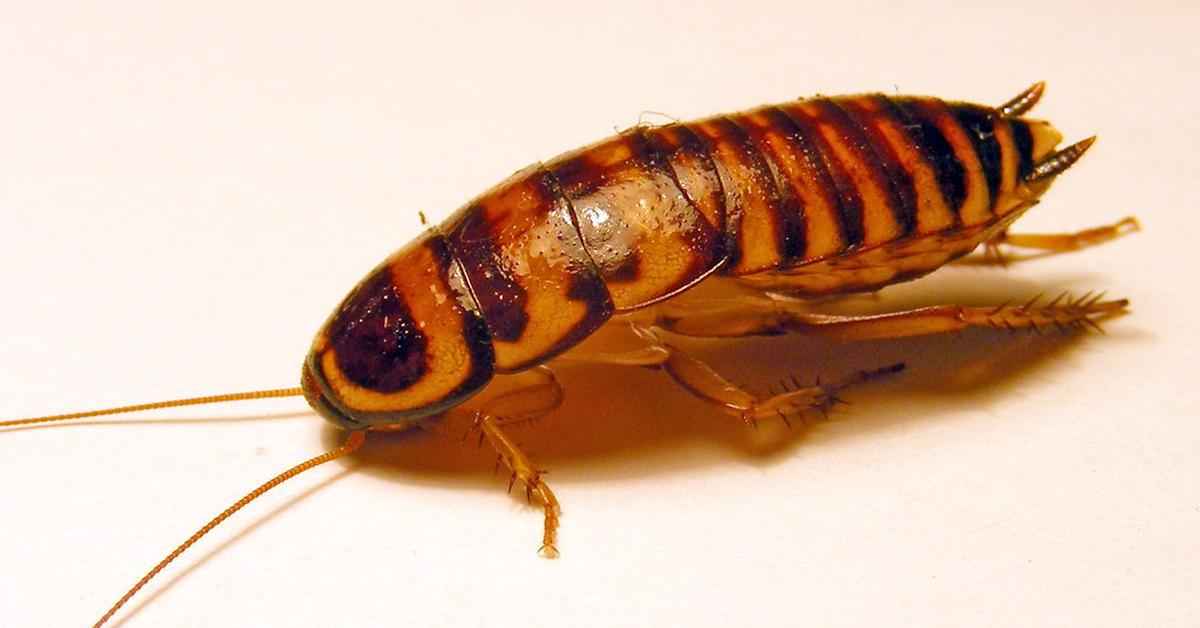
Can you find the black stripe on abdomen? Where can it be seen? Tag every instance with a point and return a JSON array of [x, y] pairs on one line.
[[903, 193], [951, 175], [977, 122]]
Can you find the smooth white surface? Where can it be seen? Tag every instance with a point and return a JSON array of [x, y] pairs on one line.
[[187, 192]]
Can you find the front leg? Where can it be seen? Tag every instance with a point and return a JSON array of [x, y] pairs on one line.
[[523, 469], [539, 394]]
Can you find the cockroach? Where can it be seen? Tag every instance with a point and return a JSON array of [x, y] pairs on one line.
[[592, 257]]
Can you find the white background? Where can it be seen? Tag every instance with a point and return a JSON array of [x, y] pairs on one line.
[[186, 192]]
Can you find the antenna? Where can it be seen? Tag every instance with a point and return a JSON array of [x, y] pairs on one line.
[[175, 403], [352, 443]]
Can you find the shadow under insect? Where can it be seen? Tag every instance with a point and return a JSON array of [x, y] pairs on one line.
[[621, 422]]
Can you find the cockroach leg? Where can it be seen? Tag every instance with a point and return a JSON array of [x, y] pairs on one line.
[[1061, 312], [701, 380], [1062, 242], [538, 394], [765, 318], [619, 342], [523, 469], [631, 344]]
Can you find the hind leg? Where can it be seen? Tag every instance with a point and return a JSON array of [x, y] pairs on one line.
[[750, 316]]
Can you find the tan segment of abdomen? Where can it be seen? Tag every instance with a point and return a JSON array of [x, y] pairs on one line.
[[798, 166], [854, 155], [877, 267], [976, 208], [754, 218], [526, 265], [887, 123], [1016, 161], [694, 171], [645, 236], [1009, 157]]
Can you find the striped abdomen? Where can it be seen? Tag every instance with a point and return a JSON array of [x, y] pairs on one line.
[[818, 178], [536, 264]]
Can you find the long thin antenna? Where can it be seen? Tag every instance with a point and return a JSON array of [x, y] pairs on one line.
[[193, 401], [352, 443]]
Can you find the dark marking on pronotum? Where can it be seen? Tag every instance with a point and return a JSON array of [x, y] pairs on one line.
[[379, 346]]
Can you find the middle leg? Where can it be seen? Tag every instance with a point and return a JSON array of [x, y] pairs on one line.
[[698, 378], [630, 344]]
